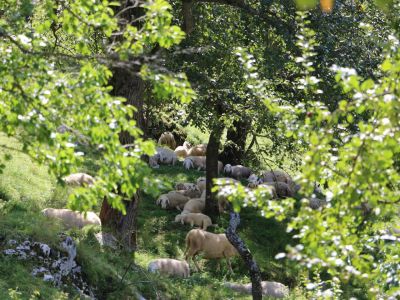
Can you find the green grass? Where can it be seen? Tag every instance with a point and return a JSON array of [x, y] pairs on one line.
[[29, 188]]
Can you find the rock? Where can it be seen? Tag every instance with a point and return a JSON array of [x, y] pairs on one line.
[[269, 288], [106, 239]]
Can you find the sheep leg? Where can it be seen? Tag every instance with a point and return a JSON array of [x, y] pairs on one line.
[[228, 262]]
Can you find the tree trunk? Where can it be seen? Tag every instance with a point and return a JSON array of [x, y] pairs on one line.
[[212, 171], [236, 241], [235, 146], [123, 226], [131, 87]]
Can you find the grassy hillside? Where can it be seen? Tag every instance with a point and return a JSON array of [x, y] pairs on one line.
[[26, 188]]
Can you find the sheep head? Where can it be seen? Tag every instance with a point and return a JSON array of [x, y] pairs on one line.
[[187, 145], [253, 179], [165, 202], [178, 218], [228, 169], [188, 163]]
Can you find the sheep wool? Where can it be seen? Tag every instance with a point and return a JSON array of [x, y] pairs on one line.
[[72, 218], [169, 267], [79, 179], [211, 245], [167, 138], [197, 219], [269, 288]]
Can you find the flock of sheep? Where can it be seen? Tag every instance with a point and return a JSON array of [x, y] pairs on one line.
[[189, 200]]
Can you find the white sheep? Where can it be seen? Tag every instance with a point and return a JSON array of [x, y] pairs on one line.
[[198, 162], [211, 245], [172, 199], [198, 150], [269, 288], [79, 179], [197, 219], [183, 151], [167, 138], [196, 205], [222, 192], [170, 267], [72, 218], [238, 172], [166, 156]]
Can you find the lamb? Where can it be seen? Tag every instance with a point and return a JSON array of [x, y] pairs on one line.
[[170, 267], [72, 218], [198, 150], [196, 205], [167, 138], [172, 199], [79, 179], [197, 219], [238, 172], [210, 244], [182, 151], [269, 288]]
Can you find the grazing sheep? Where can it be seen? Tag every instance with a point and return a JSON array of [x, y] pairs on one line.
[[167, 138], [276, 176], [167, 156], [238, 172], [196, 205], [198, 162], [282, 190], [182, 151], [198, 150], [197, 219], [79, 179], [72, 218], [201, 183], [269, 288], [210, 244], [170, 267], [172, 199], [185, 186]]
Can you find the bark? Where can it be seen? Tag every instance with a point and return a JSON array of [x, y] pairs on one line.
[[235, 146], [188, 20], [123, 226], [212, 171], [244, 252], [131, 87]]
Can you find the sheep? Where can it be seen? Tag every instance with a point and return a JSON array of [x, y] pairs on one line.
[[269, 288], [198, 150], [238, 172], [210, 244], [172, 199], [185, 186], [153, 161], [166, 156], [198, 162], [182, 151], [170, 267], [276, 176], [316, 203], [197, 219], [201, 183], [72, 218], [79, 179], [282, 189], [196, 205], [191, 193], [222, 197], [167, 138]]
